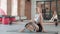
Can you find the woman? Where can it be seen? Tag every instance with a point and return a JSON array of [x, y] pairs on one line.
[[38, 19], [54, 18]]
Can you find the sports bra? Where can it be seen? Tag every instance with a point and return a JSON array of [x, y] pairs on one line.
[[37, 18]]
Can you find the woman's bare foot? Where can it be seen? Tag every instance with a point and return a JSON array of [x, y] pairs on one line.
[[44, 31]]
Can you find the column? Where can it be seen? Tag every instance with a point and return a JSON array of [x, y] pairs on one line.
[[18, 8], [9, 7], [14, 8], [22, 8]]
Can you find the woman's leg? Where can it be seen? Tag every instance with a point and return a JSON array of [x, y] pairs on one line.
[[40, 28], [56, 23]]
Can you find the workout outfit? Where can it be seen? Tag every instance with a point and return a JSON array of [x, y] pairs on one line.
[[37, 20], [54, 18]]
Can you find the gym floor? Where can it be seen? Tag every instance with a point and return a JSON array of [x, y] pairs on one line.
[[15, 29]]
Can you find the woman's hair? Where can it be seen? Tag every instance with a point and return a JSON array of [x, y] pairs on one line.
[[53, 12], [28, 24]]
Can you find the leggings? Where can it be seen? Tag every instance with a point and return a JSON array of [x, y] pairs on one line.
[[40, 28]]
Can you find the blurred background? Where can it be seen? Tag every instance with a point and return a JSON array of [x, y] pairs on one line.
[[19, 12]]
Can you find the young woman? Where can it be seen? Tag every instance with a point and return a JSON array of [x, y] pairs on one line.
[[37, 22], [54, 18], [38, 19]]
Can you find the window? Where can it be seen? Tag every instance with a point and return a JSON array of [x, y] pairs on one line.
[[3, 5]]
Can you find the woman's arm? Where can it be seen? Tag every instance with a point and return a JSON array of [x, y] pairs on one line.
[[22, 30]]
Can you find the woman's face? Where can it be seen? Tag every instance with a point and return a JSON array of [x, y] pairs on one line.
[[39, 10], [30, 27], [54, 13]]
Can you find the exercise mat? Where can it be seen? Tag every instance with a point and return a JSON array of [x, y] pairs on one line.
[[48, 32]]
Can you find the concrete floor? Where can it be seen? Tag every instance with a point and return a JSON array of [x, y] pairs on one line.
[[15, 29]]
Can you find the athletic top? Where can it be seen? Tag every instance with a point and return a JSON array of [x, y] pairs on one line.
[[54, 17], [37, 18]]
